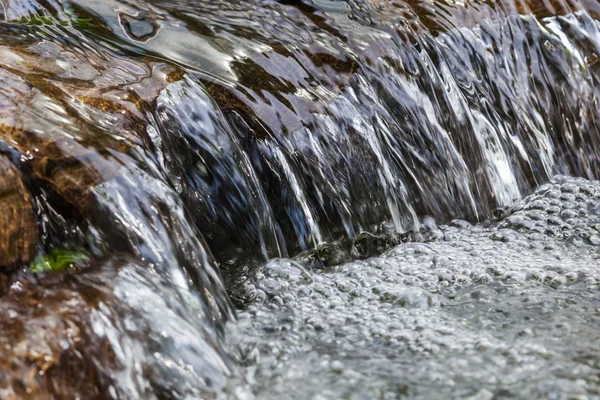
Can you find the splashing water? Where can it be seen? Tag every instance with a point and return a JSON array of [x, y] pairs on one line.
[[182, 162]]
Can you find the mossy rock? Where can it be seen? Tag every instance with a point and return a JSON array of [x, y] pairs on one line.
[[58, 260]]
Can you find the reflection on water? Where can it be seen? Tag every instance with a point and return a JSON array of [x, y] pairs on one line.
[[175, 142]]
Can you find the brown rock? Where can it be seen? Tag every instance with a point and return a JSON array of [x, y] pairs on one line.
[[18, 225], [63, 336]]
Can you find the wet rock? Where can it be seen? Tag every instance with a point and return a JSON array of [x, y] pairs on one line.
[[109, 332], [18, 224], [81, 140]]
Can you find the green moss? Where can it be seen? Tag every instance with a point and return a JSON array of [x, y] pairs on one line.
[[58, 260], [68, 18], [40, 21]]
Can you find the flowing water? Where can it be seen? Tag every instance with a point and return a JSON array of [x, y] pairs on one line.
[[317, 199]]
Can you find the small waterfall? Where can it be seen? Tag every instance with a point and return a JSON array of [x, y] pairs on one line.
[[167, 142], [213, 170]]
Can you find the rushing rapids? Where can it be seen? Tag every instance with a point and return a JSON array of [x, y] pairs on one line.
[[299, 199]]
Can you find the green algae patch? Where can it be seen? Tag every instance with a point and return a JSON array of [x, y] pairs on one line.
[[58, 260]]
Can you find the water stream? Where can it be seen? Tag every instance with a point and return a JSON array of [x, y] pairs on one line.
[[315, 199]]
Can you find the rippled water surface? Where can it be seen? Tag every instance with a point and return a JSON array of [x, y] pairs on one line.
[[314, 199]]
